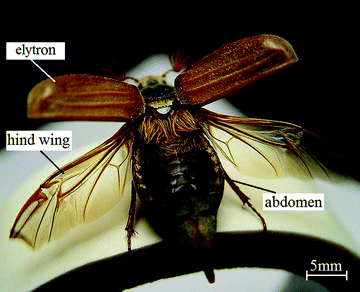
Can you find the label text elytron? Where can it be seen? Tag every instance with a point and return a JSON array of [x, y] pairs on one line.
[[35, 51]]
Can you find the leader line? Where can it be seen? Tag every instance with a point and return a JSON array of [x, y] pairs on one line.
[[52, 79], [53, 163]]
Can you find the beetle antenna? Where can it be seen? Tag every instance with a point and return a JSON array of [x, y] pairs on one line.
[[179, 60], [114, 71]]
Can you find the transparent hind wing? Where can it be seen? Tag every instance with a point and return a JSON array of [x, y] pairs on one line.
[[82, 191], [268, 149]]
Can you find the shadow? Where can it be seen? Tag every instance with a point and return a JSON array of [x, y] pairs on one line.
[[296, 283]]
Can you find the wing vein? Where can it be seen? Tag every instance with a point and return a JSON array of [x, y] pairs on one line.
[[222, 127]]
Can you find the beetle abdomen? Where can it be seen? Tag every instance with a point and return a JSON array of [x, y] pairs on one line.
[[181, 192]]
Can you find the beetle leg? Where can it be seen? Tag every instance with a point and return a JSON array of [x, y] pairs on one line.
[[245, 199], [131, 219]]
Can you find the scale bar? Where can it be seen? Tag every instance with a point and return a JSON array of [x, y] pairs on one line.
[[326, 275]]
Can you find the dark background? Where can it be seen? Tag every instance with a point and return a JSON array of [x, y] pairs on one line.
[[317, 93]]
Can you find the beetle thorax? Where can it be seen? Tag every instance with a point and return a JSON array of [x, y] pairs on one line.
[[157, 94], [165, 121]]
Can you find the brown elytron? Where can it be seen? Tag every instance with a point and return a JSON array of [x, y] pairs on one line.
[[170, 143]]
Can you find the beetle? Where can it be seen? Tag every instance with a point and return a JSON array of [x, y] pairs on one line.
[[168, 149]]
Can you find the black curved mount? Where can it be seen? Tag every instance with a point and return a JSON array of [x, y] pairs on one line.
[[277, 250]]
